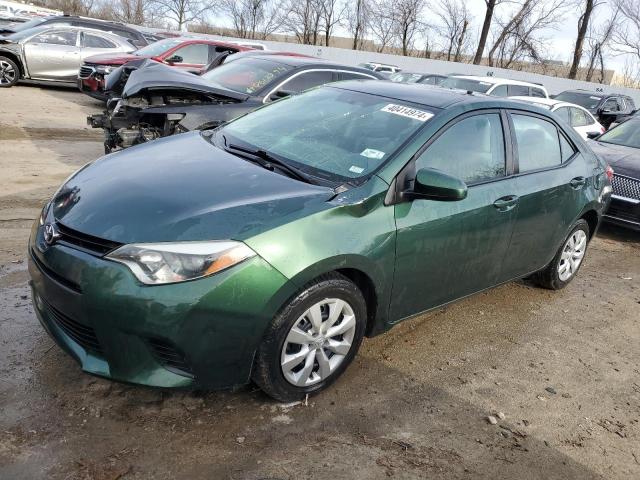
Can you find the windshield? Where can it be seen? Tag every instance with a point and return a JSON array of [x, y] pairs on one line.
[[466, 84], [627, 134], [368, 66], [329, 132], [19, 27], [405, 77], [586, 100], [246, 75], [158, 48]]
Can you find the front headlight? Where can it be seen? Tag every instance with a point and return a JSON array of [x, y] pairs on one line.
[[161, 263], [105, 70]]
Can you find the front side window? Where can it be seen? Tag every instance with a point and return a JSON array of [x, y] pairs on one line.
[[353, 76], [67, 38], [472, 149], [538, 143], [195, 54], [94, 41], [564, 114], [579, 118], [330, 132], [612, 105], [307, 80], [518, 91], [537, 92], [500, 91], [247, 75]]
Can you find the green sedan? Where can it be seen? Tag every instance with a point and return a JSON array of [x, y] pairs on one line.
[[267, 249]]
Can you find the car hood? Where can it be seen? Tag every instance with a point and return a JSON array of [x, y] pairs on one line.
[[155, 76], [181, 188], [623, 160], [112, 58]]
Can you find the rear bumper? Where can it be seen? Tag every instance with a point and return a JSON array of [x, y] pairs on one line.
[[198, 334], [624, 212]]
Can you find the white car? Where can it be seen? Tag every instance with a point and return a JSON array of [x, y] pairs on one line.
[[578, 117], [380, 67], [498, 87]]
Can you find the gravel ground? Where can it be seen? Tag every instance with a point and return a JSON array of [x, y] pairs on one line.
[[558, 371]]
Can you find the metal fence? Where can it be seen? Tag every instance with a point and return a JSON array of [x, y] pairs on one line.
[[553, 85]]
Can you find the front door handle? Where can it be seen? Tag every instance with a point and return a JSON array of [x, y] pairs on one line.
[[504, 204], [577, 182]]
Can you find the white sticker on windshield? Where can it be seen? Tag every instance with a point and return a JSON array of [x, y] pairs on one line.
[[355, 169], [408, 112], [371, 153]]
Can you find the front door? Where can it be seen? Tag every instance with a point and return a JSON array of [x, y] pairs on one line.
[[53, 55], [447, 250]]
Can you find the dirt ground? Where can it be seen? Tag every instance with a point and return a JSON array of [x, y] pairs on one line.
[[563, 367]]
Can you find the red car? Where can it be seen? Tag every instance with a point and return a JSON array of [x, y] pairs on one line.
[[191, 54]]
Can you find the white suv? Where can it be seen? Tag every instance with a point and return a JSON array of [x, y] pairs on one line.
[[380, 67], [498, 87]]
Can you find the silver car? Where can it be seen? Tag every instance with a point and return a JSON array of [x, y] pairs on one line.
[[53, 54]]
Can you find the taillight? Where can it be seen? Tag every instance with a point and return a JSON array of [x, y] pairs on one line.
[[602, 129], [609, 172]]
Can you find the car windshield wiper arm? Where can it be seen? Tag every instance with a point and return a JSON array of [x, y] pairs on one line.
[[269, 162]]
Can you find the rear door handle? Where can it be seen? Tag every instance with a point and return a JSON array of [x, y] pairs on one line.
[[504, 204], [577, 182]]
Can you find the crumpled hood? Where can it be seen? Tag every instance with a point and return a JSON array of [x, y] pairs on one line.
[[623, 160], [112, 58], [152, 75], [181, 188]]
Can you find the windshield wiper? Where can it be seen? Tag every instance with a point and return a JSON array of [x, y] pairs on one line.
[[268, 161]]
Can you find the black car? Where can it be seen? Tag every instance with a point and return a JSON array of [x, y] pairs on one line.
[[620, 148], [607, 108], [417, 77], [134, 36], [158, 101]]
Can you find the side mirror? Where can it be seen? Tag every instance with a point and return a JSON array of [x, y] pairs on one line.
[[174, 59], [281, 94], [432, 184], [593, 135]]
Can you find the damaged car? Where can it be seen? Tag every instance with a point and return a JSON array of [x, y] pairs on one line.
[[158, 101]]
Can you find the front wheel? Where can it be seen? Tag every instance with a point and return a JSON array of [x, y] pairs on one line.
[[9, 73], [312, 340], [565, 265]]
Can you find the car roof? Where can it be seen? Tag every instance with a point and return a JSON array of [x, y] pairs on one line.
[[582, 91], [52, 18], [542, 101], [499, 81]]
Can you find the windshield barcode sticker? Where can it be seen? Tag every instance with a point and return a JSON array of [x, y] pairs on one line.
[[408, 112]]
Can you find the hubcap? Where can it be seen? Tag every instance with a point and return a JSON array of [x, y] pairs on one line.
[[572, 255], [318, 342], [7, 73]]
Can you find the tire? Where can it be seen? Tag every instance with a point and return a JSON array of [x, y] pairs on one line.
[[290, 365], [9, 72], [564, 267]]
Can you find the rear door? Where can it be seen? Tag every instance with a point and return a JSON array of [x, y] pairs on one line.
[[446, 250], [53, 55], [552, 178]]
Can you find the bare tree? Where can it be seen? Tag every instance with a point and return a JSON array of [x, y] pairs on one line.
[[357, 21], [74, 7], [181, 11], [598, 40], [583, 27], [331, 14], [382, 23], [455, 18], [486, 26], [406, 20], [255, 19], [129, 11], [627, 36], [303, 18]]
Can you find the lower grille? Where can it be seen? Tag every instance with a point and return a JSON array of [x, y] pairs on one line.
[[624, 210], [626, 187], [83, 335], [170, 357], [85, 71]]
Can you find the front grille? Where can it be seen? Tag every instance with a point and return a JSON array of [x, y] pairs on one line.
[[83, 335], [624, 211], [626, 187], [88, 243], [170, 357], [85, 71]]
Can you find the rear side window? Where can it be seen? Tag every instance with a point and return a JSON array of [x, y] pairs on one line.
[[93, 41], [538, 143], [537, 92], [452, 154], [308, 80], [518, 91], [566, 148], [564, 114]]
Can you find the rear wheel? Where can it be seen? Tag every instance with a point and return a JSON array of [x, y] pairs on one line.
[[9, 72], [565, 265], [312, 340]]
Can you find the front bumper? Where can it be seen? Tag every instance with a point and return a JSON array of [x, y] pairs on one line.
[[201, 333], [624, 212]]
